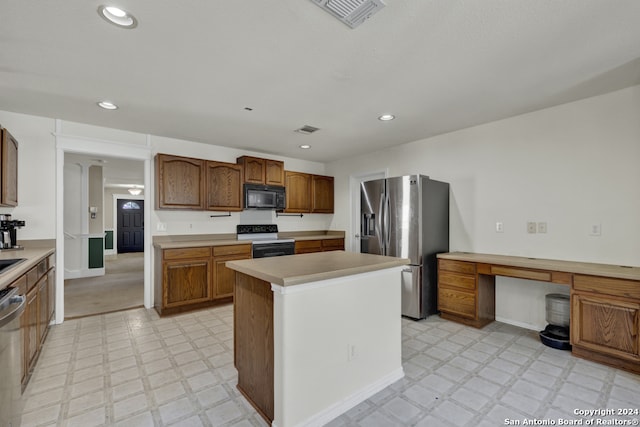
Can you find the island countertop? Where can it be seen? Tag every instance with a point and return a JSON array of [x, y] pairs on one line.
[[304, 268]]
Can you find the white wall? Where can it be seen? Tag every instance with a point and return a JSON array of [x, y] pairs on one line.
[[570, 166]]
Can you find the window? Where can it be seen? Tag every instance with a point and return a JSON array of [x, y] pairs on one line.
[[131, 205]]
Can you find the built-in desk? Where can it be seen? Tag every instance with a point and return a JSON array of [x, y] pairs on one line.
[[605, 299]]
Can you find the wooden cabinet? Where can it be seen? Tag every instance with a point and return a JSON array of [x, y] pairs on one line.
[[320, 245], [464, 295], [195, 277], [224, 278], [262, 171], [298, 190], [180, 182], [186, 276], [224, 186], [321, 194], [8, 169], [605, 320], [307, 193], [39, 285]]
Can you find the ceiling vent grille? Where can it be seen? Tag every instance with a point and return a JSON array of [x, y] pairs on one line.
[[351, 12], [307, 130]]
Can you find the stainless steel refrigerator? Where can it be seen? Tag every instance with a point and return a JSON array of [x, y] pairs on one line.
[[408, 217]]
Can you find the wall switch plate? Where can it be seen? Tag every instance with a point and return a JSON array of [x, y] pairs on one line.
[[161, 226], [542, 227], [531, 227], [595, 230], [499, 227]]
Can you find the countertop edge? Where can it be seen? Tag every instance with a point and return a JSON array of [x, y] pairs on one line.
[[32, 257], [574, 267]]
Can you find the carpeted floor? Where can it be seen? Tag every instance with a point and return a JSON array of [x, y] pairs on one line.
[[121, 288]]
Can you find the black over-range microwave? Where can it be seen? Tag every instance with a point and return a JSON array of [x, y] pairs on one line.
[[264, 197]]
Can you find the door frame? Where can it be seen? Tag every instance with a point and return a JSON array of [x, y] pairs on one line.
[[97, 147], [115, 216], [354, 183]]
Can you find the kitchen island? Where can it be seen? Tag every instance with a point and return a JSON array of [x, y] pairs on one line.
[[316, 334]]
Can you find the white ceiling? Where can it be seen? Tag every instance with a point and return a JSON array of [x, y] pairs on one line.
[[190, 67]]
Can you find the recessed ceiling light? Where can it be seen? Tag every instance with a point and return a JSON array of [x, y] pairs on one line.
[[386, 117], [117, 16], [304, 146], [107, 105]]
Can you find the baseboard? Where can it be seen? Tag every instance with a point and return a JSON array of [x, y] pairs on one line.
[[110, 252], [339, 408], [519, 324], [80, 274]]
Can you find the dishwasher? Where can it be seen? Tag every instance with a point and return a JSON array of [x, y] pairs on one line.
[[11, 307]]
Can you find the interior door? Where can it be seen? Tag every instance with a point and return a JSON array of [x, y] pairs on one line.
[[130, 225]]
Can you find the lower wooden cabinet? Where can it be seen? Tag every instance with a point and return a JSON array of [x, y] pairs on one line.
[[39, 285], [464, 295], [320, 245], [195, 277], [605, 320]]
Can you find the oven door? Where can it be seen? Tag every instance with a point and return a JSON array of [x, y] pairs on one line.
[[265, 250]]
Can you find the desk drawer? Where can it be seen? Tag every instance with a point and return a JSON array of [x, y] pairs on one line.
[[457, 266], [521, 273], [457, 302], [607, 286], [463, 281], [232, 250]]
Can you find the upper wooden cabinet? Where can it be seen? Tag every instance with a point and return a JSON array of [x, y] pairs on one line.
[[224, 186], [180, 182], [308, 193], [298, 190], [8, 170], [321, 194], [262, 171]]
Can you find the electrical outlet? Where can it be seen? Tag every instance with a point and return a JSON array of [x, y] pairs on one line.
[[531, 227], [542, 227], [595, 230], [351, 352], [499, 227]]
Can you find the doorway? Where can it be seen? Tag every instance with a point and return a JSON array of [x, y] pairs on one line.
[[100, 149]]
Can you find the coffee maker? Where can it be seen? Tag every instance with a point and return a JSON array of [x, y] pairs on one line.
[[8, 226]]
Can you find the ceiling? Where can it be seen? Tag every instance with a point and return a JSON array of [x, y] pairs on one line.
[[190, 68]]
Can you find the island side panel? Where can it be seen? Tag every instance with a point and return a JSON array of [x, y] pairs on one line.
[[253, 342]]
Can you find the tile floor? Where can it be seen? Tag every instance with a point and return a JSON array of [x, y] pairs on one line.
[[133, 368]]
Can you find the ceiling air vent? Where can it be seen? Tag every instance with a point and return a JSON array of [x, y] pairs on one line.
[[351, 12], [307, 130]]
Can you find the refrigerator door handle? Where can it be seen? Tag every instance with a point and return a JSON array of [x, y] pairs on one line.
[[381, 229], [387, 223]]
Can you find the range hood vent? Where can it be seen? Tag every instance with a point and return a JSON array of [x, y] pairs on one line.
[[351, 12]]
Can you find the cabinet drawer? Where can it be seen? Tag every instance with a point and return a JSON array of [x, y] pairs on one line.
[[607, 286], [232, 250], [309, 244], [333, 244], [447, 279], [187, 253], [457, 302], [457, 266], [21, 284], [521, 273], [32, 277]]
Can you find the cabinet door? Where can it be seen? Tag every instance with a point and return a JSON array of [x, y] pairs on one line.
[[43, 308], [9, 170], [186, 282], [225, 278], [298, 192], [179, 182], [322, 194], [51, 283], [274, 172], [253, 168], [30, 328], [606, 325], [224, 186]]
